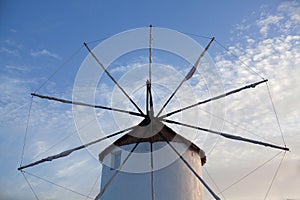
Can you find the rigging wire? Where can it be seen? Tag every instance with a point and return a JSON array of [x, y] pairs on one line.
[[275, 175], [59, 68], [26, 131], [102, 39], [213, 181], [94, 185], [234, 55], [251, 172], [200, 36], [98, 40], [235, 124], [226, 49], [276, 115], [30, 186], [57, 185], [213, 147], [14, 110]]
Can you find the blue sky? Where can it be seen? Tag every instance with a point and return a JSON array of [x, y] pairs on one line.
[[37, 37]]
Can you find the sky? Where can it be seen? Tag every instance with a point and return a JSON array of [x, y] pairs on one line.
[[41, 51]]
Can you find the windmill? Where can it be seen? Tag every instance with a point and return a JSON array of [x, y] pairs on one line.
[[182, 175]]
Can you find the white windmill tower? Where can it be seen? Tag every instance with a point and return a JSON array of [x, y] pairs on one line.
[[141, 176], [132, 165]]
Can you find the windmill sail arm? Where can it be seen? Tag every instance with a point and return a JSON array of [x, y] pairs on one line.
[[230, 136], [86, 104], [68, 152], [188, 76], [112, 78], [252, 85], [234, 137]]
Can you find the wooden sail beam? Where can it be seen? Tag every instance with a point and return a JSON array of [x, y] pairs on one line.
[[252, 85], [188, 76], [86, 104], [112, 78], [229, 136], [68, 152]]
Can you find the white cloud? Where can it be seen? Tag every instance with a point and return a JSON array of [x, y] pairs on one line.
[[265, 23], [120, 69], [17, 68], [292, 9], [70, 170], [13, 44], [286, 20], [13, 30], [275, 54], [9, 51], [44, 52]]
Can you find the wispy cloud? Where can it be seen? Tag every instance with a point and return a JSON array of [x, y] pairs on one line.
[[13, 44], [13, 30], [18, 68], [44, 52], [12, 52], [10, 47]]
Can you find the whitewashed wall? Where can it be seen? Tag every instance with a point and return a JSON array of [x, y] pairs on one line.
[[172, 180]]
